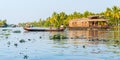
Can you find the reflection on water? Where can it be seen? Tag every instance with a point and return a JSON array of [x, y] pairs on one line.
[[81, 45], [94, 34], [94, 37]]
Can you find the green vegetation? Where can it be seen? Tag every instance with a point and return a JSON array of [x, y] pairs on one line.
[[17, 31], [22, 41], [112, 14], [3, 23], [6, 34], [58, 37]]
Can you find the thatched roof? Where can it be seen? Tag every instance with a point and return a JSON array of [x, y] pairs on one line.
[[89, 19]]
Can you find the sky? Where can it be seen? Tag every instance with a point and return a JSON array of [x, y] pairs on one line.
[[18, 11]]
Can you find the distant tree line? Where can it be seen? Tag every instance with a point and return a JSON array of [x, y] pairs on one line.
[[112, 14], [3, 23]]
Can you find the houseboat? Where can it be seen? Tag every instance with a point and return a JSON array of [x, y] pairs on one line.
[[93, 22]]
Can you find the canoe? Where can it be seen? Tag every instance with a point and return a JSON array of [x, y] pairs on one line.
[[39, 29]]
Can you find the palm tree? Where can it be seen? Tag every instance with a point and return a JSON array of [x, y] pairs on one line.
[[115, 14], [108, 12]]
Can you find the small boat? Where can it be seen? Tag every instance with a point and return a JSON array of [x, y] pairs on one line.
[[39, 29]]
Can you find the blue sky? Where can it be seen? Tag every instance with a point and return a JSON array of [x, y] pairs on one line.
[[16, 11]]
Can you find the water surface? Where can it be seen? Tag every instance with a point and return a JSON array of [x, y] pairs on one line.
[[80, 45]]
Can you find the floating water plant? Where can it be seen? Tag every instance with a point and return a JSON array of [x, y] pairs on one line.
[[29, 39], [4, 29], [6, 34], [25, 57], [83, 46], [117, 42], [6, 37], [22, 41], [58, 36], [16, 44], [40, 37], [8, 43], [17, 31]]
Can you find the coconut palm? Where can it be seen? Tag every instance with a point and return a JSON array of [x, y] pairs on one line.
[[108, 12], [115, 14]]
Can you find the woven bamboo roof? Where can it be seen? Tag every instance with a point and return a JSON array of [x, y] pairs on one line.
[[88, 19]]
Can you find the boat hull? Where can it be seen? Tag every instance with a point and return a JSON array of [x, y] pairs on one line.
[[33, 29]]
